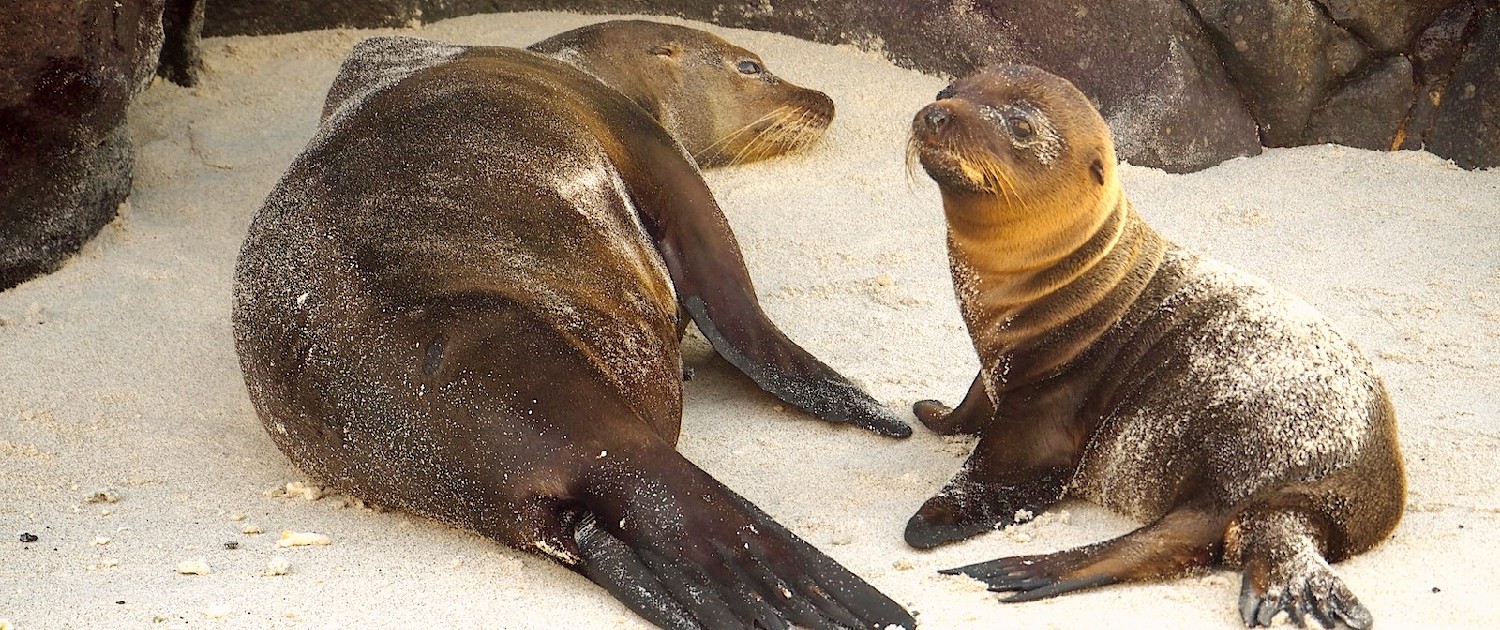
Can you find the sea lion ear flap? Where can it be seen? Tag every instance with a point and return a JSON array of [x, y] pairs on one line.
[[664, 50], [1097, 170]]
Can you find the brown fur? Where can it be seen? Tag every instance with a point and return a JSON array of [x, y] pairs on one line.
[[461, 300], [1117, 367]]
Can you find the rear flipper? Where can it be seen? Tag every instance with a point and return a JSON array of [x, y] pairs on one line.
[[1281, 553], [706, 558], [1172, 546]]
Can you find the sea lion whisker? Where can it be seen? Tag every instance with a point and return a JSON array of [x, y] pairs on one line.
[[761, 141], [732, 135], [913, 153]]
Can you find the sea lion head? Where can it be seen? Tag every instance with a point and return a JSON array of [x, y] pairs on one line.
[[717, 99], [1014, 140]]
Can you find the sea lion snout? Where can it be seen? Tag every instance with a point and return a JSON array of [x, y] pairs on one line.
[[932, 118]]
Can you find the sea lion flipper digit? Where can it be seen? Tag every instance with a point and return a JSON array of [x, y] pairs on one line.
[[685, 551], [713, 286], [612, 564]]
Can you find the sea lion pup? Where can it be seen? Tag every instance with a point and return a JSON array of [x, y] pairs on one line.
[[461, 300], [1117, 367]]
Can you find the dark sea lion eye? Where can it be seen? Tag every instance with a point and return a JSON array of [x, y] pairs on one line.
[[750, 66], [1020, 128]]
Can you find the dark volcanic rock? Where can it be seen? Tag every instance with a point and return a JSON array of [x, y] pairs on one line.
[[1387, 26], [1283, 55], [64, 155], [1466, 126], [182, 27], [1435, 54], [259, 17], [1367, 112]]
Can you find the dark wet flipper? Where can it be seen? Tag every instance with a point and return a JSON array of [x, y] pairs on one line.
[[1037, 577], [1054, 589], [754, 345], [611, 564], [770, 590], [722, 561], [832, 589], [707, 598], [971, 415]]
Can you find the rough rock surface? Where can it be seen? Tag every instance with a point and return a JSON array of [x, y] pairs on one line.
[[1466, 123], [65, 157]]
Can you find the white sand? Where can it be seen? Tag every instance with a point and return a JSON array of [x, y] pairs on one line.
[[118, 372]]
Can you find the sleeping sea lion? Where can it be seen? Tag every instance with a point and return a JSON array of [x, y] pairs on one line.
[[461, 300], [1117, 367]]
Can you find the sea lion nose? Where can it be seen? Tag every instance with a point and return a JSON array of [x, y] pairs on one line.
[[935, 117]]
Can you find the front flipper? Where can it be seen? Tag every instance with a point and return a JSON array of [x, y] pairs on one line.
[[744, 336], [685, 552], [708, 272], [967, 506]]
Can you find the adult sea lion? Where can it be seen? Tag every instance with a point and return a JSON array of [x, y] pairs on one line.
[[717, 99], [461, 300], [1117, 367]]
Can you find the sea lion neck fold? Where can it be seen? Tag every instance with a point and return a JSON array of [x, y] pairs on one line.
[[1032, 245]]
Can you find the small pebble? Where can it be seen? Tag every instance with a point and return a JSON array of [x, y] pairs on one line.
[[252, 530], [194, 567], [277, 566], [28, 537], [101, 541], [232, 544], [218, 611], [103, 496], [290, 538]]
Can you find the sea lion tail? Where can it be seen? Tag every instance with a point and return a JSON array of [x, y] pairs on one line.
[[685, 552]]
